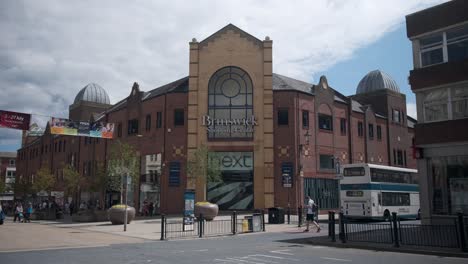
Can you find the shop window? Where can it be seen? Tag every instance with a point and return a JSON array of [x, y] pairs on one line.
[[148, 123], [158, 119], [360, 129], [379, 132], [325, 122], [305, 119], [327, 162], [178, 117], [283, 117], [343, 126]]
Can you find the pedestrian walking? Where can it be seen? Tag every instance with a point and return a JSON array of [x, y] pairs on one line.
[[311, 210], [2, 215], [18, 213], [27, 215]]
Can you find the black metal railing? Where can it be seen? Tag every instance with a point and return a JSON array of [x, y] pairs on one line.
[[200, 227], [450, 232]]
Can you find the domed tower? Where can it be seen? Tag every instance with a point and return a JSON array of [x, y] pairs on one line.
[[89, 101], [380, 91], [376, 80]]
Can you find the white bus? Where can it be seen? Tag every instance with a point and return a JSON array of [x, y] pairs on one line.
[[376, 191]]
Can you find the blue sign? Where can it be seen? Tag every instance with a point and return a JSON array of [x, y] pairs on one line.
[[287, 174]]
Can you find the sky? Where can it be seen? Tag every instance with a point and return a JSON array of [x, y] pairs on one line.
[[51, 49]]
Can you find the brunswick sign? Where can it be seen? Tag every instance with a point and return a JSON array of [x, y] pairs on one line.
[[234, 125]]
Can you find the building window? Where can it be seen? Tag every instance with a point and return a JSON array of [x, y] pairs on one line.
[[178, 117], [305, 119], [174, 174], [379, 132], [371, 131], [435, 105], [343, 126], [360, 129], [230, 99], [327, 162], [12, 162], [451, 45], [432, 50], [132, 126], [283, 117], [459, 102], [119, 130], [55, 147], [325, 122], [404, 158], [400, 158], [158, 119], [396, 116], [148, 123], [394, 157]]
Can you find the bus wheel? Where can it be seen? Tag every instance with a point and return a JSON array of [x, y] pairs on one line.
[[386, 215]]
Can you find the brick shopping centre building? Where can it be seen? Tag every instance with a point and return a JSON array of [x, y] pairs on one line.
[[263, 126]]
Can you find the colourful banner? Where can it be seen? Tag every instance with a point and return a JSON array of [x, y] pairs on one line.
[[61, 126], [14, 120]]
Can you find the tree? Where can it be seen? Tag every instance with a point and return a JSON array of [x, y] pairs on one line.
[[204, 165], [73, 182], [123, 160], [44, 181], [22, 187]]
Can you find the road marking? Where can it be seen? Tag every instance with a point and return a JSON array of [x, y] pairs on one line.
[[52, 248], [282, 251], [275, 257], [336, 259], [264, 260], [245, 261], [200, 250]]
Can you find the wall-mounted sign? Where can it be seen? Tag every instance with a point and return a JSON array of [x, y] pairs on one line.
[[233, 125], [287, 174], [235, 161], [61, 126]]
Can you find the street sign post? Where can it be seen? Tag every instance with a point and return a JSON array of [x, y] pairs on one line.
[[287, 180]]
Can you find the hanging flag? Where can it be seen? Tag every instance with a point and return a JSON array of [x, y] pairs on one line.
[[61, 126], [14, 120]]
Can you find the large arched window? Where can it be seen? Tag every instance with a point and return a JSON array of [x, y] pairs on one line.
[[230, 105]]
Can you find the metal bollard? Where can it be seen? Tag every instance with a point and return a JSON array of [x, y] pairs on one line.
[[289, 215], [333, 236], [163, 222], [329, 223], [396, 241], [263, 220], [299, 214], [461, 228], [200, 226], [342, 234], [234, 222]]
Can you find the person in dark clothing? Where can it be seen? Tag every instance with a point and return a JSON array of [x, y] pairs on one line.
[[72, 207]]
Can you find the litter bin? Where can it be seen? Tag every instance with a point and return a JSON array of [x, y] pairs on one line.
[[257, 222], [249, 221], [275, 215]]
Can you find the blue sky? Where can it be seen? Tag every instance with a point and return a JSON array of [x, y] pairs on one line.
[[391, 54]]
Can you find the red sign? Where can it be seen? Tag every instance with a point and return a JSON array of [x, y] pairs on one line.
[[14, 120]]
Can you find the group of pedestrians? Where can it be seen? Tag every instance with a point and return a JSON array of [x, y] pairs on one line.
[[23, 215]]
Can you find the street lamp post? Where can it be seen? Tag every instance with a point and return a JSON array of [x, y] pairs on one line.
[[301, 172]]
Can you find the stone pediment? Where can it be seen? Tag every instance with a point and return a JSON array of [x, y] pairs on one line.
[[224, 30]]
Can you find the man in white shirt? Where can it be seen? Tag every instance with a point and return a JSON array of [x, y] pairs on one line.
[[311, 208]]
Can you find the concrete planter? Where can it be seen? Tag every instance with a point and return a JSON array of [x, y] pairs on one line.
[[90, 216], [116, 214], [209, 210]]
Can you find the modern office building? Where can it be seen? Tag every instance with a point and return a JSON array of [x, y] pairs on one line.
[[277, 138], [439, 37]]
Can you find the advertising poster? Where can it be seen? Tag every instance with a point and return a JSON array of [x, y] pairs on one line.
[[83, 128], [62, 126], [189, 197], [14, 120]]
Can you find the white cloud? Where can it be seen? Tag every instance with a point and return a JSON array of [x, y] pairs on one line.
[[51, 49], [411, 110]]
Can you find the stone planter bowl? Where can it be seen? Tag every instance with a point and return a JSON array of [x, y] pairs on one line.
[[116, 214], [209, 210]]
